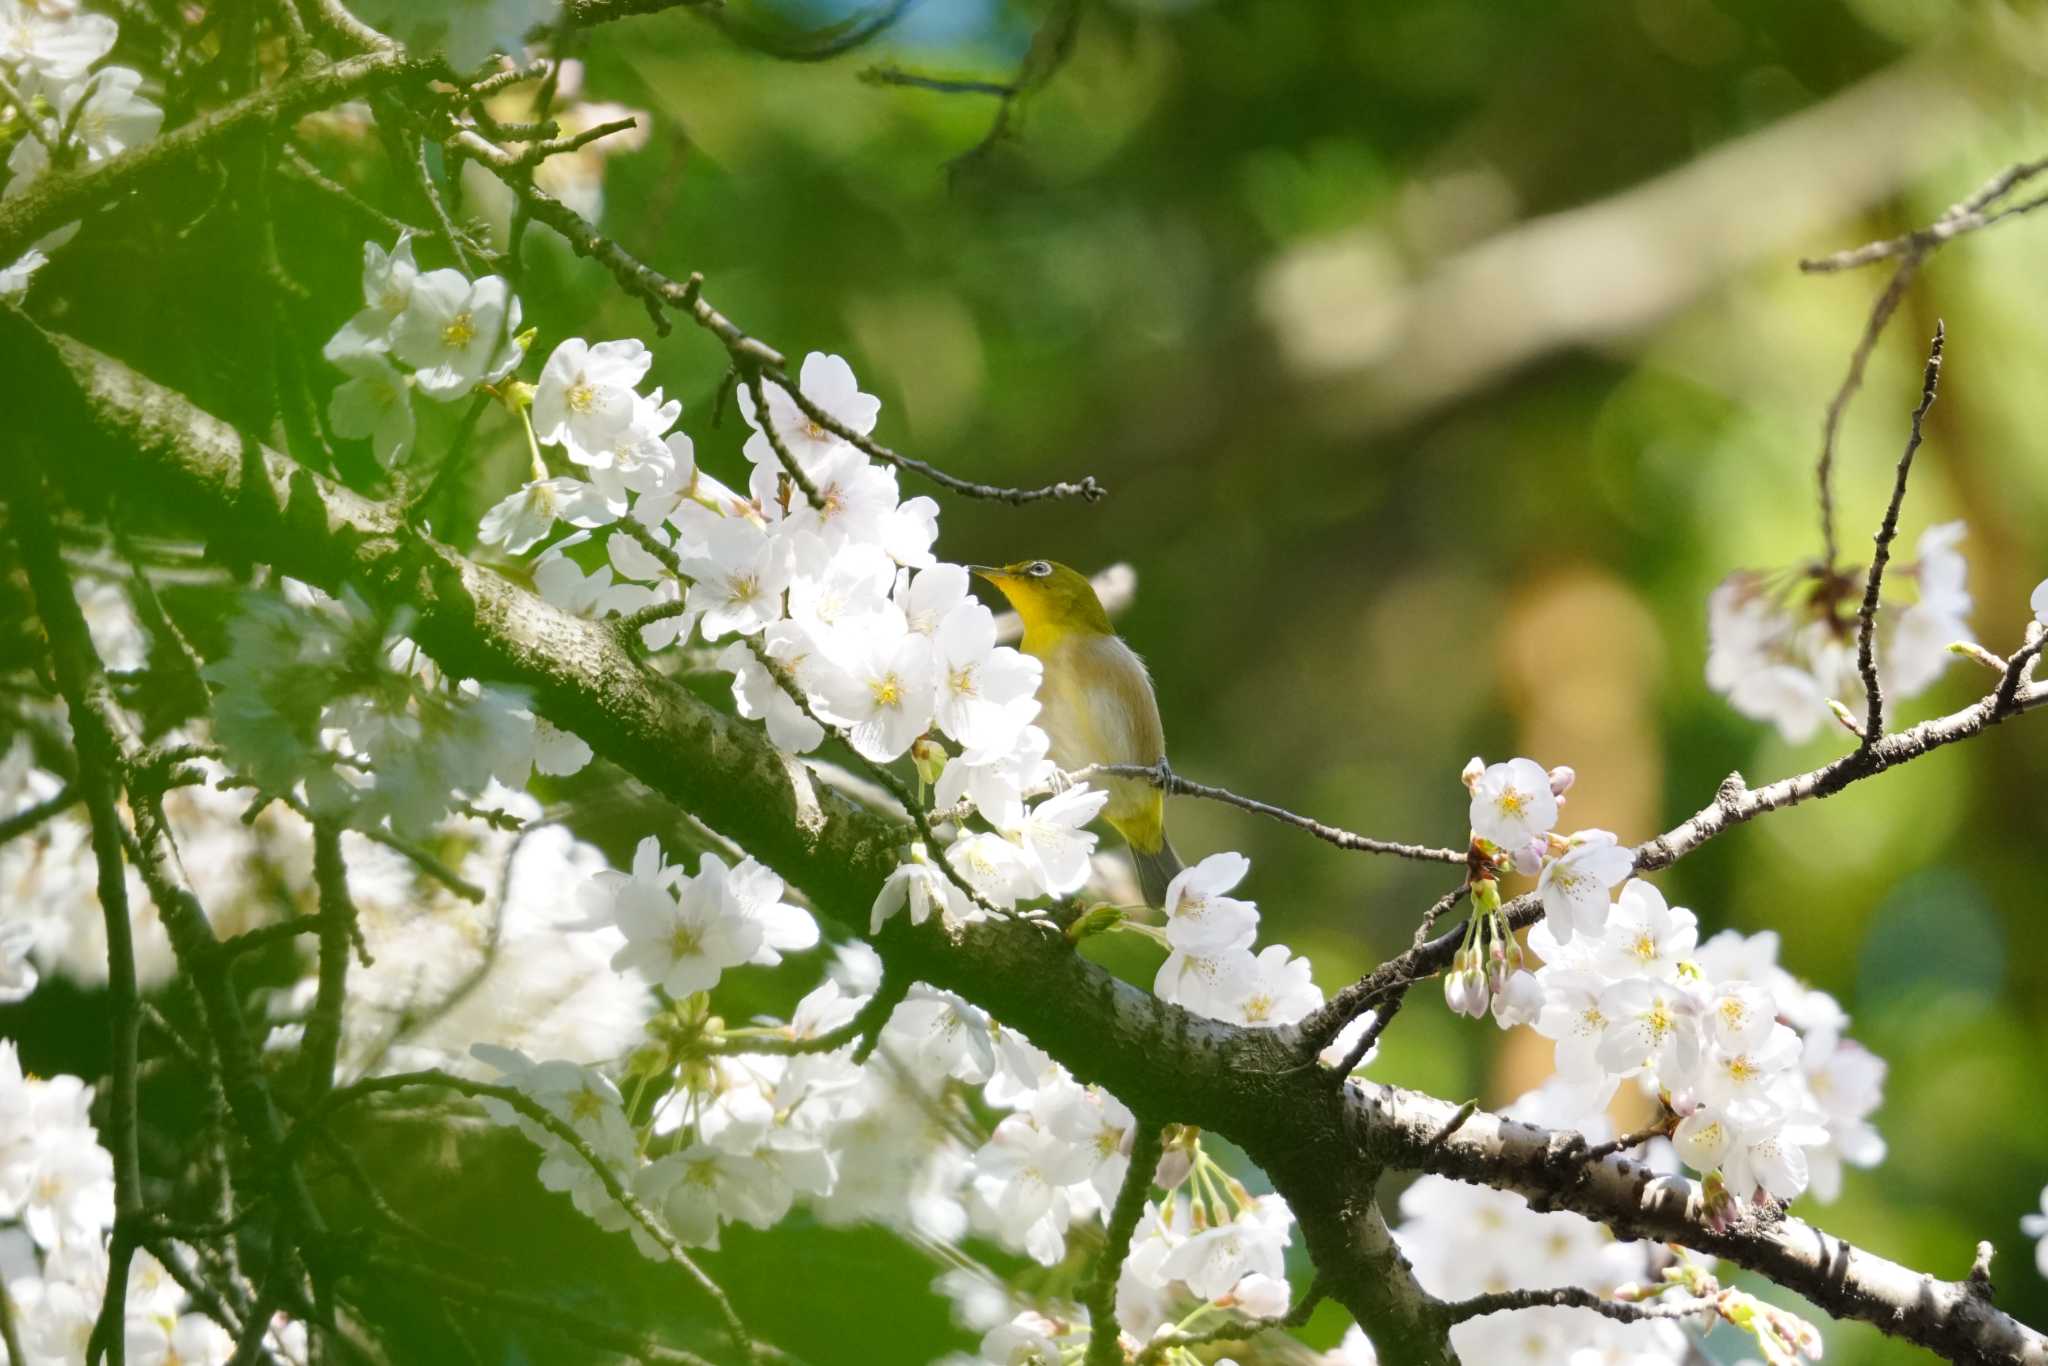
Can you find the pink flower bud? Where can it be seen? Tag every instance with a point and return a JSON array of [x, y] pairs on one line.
[[1529, 858], [1561, 780], [1174, 1165]]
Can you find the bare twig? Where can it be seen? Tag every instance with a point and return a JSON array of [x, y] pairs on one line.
[[1965, 216], [1910, 250], [29, 817], [1171, 783], [822, 45], [659, 292], [1572, 1297], [1601, 1151], [1866, 635], [890, 74], [1838, 406]]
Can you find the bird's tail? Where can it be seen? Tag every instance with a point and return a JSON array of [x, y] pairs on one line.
[[1155, 870]]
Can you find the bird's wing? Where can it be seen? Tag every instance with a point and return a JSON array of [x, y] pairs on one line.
[[1103, 712]]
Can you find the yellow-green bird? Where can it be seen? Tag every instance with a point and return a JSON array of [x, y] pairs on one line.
[[1098, 706]]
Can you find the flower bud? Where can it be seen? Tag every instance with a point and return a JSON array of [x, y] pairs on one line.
[[1971, 650], [1528, 859], [1474, 771], [928, 754], [1561, 780], [1095, 920]]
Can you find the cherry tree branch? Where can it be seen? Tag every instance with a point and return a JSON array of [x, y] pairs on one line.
[[89, 701], [1910, 250], [1104, 1348], [1324, 1146], [1887, 531], [1968, 215], [1954, 1319], [1171, 783], [750, 356], [1735, 803], [1572, 1297]]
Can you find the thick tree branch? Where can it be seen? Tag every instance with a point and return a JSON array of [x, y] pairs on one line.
[[1947, 1317]]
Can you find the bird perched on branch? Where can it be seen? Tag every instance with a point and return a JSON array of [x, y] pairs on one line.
[[1098, 703]]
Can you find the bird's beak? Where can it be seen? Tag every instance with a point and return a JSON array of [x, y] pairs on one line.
[[985, 571]]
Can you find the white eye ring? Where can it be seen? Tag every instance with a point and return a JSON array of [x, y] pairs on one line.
[[1040, 570]]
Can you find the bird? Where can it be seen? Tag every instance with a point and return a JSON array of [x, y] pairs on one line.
[[1097, 703]]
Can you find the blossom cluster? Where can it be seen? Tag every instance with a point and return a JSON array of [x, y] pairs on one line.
[[56, 1209], [1782, 648], [323, 695], [1467, 1240], [73, 110], [1768, 1094], [449, 333]]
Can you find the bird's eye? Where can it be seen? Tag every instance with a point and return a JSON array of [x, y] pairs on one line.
[[1039, 570]]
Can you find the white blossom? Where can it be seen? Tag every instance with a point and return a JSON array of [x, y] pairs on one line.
[[1575, 885], [457, 333], [1512, 803]]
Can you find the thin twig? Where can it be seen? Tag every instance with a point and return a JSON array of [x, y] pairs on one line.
[[1571, 1297], [1086, 488], [1239, 1331], [823, 45], [1838, 406], [659, 292], [1600, 1152], [1171, 783], [1968, 215], [1104, 1345], [796, 472], [1735, 804], [28, 818], [263, 936], [890, 74], [1866, 635]]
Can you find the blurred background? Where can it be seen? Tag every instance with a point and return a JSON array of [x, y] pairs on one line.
[[1440, 358]]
